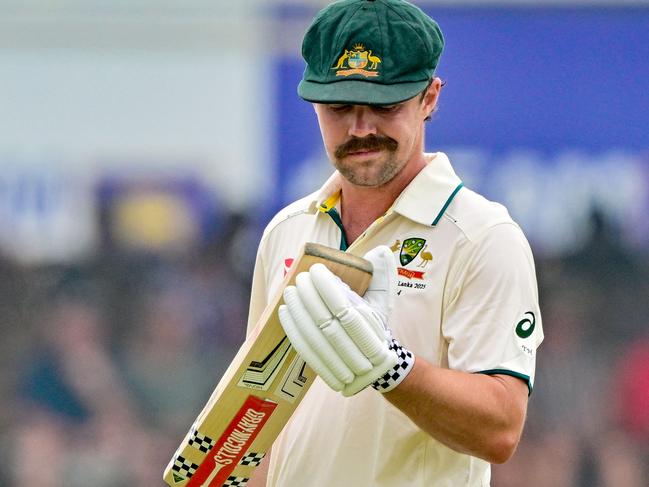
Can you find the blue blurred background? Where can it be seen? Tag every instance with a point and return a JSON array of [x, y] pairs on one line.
[[145, 144]]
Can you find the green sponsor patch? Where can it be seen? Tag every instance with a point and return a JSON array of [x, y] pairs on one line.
[[525, 327]]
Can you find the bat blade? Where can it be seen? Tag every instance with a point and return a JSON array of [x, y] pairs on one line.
[[258, 392]]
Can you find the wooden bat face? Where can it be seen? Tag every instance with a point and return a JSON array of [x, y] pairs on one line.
[[258, 392]]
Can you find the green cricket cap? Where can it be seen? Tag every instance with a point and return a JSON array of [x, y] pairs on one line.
[[369, 52]]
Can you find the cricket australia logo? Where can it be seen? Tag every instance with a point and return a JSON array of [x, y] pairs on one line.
[[412, 250], [357, 61]]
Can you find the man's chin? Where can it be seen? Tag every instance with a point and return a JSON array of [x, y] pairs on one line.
[[367, 179], [366, 172]]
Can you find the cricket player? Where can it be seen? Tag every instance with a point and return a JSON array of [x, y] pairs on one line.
[[425, 380]]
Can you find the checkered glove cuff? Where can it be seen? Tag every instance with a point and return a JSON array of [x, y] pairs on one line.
[[393, 377]]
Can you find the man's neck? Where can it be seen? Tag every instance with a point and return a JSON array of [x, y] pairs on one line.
[[361, 206]]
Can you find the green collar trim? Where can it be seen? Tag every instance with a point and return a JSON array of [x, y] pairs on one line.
[[448, 202], [335, 216]]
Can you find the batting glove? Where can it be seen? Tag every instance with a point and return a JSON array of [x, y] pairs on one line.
[[342, 336]]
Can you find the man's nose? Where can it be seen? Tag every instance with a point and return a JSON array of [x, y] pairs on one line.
[[361, 122]]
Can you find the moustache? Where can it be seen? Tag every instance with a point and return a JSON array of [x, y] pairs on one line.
[[371, 142]]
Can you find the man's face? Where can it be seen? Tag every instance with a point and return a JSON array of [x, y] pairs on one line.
[[371, 144]]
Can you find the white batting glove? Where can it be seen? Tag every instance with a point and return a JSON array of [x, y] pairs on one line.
[[343, 337]]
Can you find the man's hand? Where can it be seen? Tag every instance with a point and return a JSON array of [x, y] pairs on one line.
[[343, 337]]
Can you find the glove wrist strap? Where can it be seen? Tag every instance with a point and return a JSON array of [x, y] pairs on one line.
[[393, 377]]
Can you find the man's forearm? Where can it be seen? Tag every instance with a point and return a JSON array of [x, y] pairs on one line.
[[476, 414]]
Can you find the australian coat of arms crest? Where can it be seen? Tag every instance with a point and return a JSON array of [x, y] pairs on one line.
[[357, 61]]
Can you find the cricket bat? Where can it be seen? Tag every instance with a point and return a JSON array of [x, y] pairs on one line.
[[258, 392]]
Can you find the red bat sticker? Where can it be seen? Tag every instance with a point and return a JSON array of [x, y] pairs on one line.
[[233, 443]]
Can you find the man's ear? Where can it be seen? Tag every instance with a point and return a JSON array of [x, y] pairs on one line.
[[432, 96]]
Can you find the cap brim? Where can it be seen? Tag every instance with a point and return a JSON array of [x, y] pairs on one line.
[[358, 92]]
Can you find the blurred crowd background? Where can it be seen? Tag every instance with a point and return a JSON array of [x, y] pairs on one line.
[[145, 144]]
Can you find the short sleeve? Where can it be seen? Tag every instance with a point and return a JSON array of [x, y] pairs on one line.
[[491, 321]]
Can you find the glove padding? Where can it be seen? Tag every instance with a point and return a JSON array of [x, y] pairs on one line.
[[343, 337]]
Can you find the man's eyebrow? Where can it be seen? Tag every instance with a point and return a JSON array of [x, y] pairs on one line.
[[388, 105]]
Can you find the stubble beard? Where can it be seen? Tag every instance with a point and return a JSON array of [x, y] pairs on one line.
[[370, 173], [373, 172]]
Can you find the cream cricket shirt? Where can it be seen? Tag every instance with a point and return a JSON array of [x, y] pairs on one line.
[[467, 300]]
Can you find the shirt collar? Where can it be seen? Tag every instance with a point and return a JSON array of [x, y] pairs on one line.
[[329, 194], [424, 200], [430, 193]]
